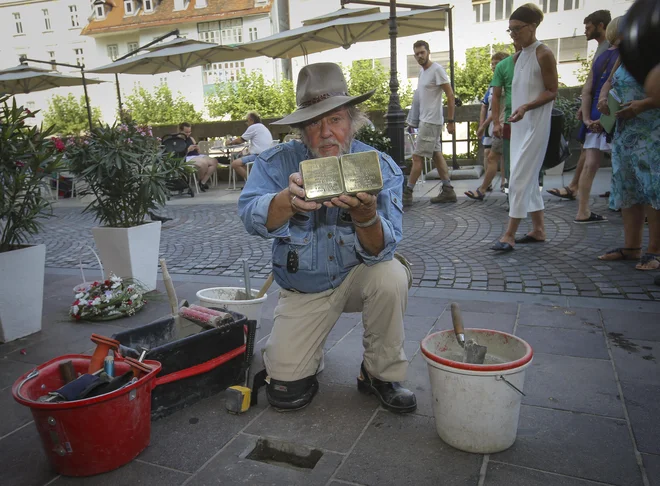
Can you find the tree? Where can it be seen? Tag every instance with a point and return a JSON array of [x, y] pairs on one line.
[[160, 107], [251, 92], [68, 115], [473, 78], [582, 73], [366, 75]]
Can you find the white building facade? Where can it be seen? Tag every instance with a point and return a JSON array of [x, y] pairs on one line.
[[95, 32]]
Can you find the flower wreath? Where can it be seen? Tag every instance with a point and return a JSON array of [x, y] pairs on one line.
[[107, 300]]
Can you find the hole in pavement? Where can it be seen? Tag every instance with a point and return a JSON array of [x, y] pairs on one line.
[[284, 454]]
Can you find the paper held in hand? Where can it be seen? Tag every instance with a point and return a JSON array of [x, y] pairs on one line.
[[330, 177], [614, 104]]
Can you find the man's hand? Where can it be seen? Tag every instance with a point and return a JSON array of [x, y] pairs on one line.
[[481, 130], [362, 207], [578, 115], [518, 115], [451, 127], [497, 129], [297, 195]]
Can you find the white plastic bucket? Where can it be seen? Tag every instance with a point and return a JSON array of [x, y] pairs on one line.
[[476, 407], [226, 297]]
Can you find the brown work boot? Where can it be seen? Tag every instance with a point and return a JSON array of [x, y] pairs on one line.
[[407, 196], [447, 195]]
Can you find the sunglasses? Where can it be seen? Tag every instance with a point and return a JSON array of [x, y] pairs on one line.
[[515, 30]]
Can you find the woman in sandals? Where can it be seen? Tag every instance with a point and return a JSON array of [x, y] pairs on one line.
[[636, 158]]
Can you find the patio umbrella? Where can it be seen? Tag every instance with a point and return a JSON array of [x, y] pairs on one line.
[[177, 55], [343, 28], [23, 79]]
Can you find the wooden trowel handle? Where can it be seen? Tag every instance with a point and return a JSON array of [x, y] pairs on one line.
[[457, 321]]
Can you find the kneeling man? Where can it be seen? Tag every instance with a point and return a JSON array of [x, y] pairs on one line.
[[329, 258]]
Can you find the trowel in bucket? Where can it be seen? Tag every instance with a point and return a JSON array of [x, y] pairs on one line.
[[473, 353]]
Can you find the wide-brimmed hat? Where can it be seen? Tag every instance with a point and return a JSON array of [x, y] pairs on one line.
[[321, 88]]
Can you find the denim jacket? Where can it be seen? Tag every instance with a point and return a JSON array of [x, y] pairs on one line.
[[325, 241]]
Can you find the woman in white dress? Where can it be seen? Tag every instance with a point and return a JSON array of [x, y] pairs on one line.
[[533, 91]]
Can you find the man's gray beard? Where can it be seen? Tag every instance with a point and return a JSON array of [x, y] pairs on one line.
[[343, 149]]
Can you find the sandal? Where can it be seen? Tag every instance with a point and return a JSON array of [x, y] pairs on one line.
[[618, 254], [569, 194], [593, 218], [490, 188], [649, 258], [478, 197], [605, 194]]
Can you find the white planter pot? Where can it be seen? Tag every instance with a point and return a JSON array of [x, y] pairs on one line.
[[21, 291], [130, 252]]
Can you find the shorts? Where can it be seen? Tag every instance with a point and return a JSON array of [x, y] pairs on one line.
[[191, 158], [596, 141], [429, 139], [497, 146], [487, 142], [248, 158]]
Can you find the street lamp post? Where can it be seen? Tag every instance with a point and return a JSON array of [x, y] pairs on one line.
[[24, 59]]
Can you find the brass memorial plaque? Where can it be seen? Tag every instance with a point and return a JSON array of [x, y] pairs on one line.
[[361, 173], [321, 178], [330, 177]]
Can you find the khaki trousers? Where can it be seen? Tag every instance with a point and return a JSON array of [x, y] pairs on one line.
[[302, 322]]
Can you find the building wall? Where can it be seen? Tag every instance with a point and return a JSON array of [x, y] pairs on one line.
[[38, 42]]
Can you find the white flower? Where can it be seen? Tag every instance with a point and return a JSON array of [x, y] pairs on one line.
[[82, 302], [96, 301], [108, 295], [134, 297], [74, 310], [116, 284], [80, 295]]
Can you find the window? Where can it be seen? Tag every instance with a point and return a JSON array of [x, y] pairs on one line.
[[46, 20], [80, 58], [572, 48], [113, 51], [129, 7], [571, 4], [209, 32], [100, 12], [553, 44], [485, 11], [223, 72], [19, 24], [481, 12], [162, 81], [549, 5], [30, 105], [132, 46], [73, 13], [148, 5], [51, 58], [231, 31], [441, 57], [252, 31]]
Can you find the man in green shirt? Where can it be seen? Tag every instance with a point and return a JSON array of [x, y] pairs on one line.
[[501, 83]]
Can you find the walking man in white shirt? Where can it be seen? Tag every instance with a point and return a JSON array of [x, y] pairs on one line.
[[433, 81], [260, 139]]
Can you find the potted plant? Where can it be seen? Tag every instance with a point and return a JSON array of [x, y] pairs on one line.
[[28, 158], [126, 171]]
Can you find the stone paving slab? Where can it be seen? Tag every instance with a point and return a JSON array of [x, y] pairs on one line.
[[135, 472], [599, 447], [507, 475], [448, 246]]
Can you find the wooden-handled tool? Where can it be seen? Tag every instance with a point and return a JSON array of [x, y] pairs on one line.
[[473, 353]]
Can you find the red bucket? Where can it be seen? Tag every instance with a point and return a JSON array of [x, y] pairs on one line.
[[94, 435]]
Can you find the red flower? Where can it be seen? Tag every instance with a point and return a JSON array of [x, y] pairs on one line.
[[107, 283], [59, 145], [77, 317], [130, 302], [76, 302]]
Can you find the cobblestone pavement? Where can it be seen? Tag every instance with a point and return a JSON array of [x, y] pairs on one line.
[[447, 245]]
